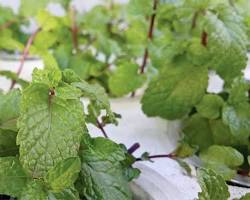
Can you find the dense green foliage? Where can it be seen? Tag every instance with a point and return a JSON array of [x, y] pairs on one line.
[[45, 148]]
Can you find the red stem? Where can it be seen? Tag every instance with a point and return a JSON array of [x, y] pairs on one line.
[[204, 38], [150, 36], [100, 126], [25, 55], [171, 155], [194, 20], [133, 148], [74, 28]]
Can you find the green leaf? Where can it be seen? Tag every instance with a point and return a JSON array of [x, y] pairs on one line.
[[84, 66], [184, 150], [34, 190], [98, 97], [64, 174], [12, 177], [51, 126], [102, 175], [238, 92], [29, 8], [140, 7], [173, 93], [198, 132], [8, 42], [67, 194], [8, 145], [213, 186], [222, 134], [47, 21], [223, 160], [9, 106], [185, 166], [210, 106], [50, 76], [227, 42], [13, 76], [238, 119], [125, 79]]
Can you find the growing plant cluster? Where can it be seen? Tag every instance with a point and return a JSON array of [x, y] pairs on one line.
[[167, 46]]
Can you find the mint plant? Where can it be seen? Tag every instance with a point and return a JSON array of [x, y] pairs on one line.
[[194, 37], [46, 151]]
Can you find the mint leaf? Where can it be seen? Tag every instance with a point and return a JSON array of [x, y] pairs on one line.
[[64, 174], [173, 93], [67, 194], [8, 145], [47, 21], [125, 79], [51, 125], [213, 186], [34, 190], [222, 134], [98, 97], [210, 106], [12, 177], [223, 160], [238, 92], [29, 8], [101, 174], [197, 132], [184, 150], [227, 42], [50, 76], [9, 106], [13, 76], [140, 7], [238, 119]]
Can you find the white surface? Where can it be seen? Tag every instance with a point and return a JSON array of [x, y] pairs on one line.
[[13, 66]]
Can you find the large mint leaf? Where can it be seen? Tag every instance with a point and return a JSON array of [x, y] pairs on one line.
[[101, 174], [224, 160], [64, 174], [9, 106], [12, 177], [210, 106], [125, 79], [227, 42], [175, 91], [198, 132], [51, 127], [213, 186], [8, 145]]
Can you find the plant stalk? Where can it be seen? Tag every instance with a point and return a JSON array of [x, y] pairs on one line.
[[100, 126], [25, 55], [74, 28], [171, 155], [150, 36]]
